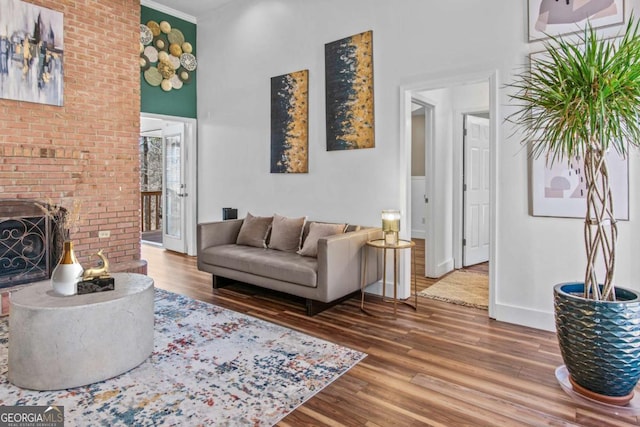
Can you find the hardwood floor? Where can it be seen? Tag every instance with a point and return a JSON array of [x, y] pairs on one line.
[[424, 282], [444, 365]]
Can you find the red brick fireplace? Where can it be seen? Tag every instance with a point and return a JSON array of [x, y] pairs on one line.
[[86, 150]]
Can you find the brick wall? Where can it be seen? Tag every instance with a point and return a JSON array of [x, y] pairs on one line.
[[86, 150]]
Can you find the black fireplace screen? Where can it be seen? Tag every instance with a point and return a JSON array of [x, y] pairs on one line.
[[23, 250], [27, 246]]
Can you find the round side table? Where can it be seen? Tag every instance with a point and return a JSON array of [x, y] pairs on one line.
[[397, 247]]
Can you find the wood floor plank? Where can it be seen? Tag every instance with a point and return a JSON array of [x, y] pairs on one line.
[[444, 365]]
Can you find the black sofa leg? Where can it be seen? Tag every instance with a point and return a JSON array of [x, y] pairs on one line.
[[219, 282], [314, 307]]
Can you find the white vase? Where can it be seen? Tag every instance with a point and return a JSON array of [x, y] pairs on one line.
[[67, 273]]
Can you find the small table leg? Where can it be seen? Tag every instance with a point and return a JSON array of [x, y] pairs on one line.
[[364, 277], [415, 284], [395, 282], [384, 273]]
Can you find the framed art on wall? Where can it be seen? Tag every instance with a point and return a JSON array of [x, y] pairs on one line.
[[559, 189], [349, 92], [289, 123], [556, 17], [31, 53]]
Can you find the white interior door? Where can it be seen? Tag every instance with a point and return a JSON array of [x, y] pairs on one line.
[[174, 189], [476, 190]]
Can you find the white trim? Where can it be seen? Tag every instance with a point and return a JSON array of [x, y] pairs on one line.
[[494, 135], [169, 11], [404, 194], [439, 81], [191, 139], [525, 316], [444, 267], [418, 234]]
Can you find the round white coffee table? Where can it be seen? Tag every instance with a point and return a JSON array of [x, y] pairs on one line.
[[58, 342]]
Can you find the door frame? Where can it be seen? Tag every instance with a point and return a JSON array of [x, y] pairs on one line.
[[174, 240], [438, 81], [191, 173], [430, 124], [458, 179]]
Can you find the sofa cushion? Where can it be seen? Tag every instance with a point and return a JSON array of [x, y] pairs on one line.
[[347, 229], [286, 233], [278, 265], [318, 230], [254, 230]]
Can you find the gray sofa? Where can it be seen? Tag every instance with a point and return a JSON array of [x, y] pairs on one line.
[[332, 276]]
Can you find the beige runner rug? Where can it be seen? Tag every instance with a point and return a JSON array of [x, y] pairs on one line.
[[462, 288]]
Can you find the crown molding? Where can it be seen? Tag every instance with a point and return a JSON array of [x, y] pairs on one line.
[[169, 11]]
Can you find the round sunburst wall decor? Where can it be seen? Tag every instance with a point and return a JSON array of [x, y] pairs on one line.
[[167, 59]]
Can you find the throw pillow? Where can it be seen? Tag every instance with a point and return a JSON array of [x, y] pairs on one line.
[[317, 231], [286, 233], [254, 230]]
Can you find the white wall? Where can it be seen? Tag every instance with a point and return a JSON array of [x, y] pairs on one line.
[[418, 214], [248, 42], [245, 43]]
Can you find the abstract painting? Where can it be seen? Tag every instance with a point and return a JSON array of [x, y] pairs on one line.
[[289, 123], [349, 92], [556, 17], [31, 53], [559, 190]]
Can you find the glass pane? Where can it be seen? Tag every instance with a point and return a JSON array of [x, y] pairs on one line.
[[172, 206]]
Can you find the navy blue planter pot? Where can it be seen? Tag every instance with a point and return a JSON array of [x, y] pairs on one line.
[[599, 340]]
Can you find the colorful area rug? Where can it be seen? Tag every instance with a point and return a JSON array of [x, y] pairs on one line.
[[210, 366], [462, 288]]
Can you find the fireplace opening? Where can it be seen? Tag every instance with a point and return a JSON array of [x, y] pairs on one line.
[[30, 244]]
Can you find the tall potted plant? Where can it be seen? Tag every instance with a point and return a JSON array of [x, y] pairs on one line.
[[582, 101]]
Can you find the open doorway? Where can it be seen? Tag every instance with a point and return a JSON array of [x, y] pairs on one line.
[[448, 212], [168, 182], [418, 164], [150, 147]]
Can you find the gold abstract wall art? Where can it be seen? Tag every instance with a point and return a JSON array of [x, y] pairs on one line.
[[349, 92], [289, 123]]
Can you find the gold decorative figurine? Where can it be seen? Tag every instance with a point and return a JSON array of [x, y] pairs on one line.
[[101, 272], [97, 279]]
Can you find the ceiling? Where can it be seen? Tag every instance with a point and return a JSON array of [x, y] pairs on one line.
[[194, 8]]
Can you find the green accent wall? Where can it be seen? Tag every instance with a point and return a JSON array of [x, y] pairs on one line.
[[181, 102]]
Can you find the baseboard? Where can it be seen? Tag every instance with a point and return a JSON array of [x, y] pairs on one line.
[[376, 289], [525, 317], [444, 267], [418, 234]]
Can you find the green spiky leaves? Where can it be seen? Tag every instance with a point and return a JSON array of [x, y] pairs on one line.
[[579, 93]]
